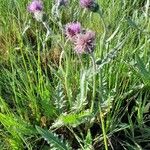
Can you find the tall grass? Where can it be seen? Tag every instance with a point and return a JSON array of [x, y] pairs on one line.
[[50, 98]]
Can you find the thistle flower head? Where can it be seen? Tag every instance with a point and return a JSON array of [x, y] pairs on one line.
[[89, 4], [84, 42], [86, 3], [72, 29], [35, 5], [61, 2]]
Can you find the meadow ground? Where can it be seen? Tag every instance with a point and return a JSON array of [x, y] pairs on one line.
[[52, 97]]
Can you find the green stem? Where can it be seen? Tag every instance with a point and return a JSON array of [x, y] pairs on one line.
[[100, 110], [104, 32], [94, 82], [67, 83], [48, 33], [66, 73], [104, 25], [103, 128]]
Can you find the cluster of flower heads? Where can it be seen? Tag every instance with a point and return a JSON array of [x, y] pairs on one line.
[[83, 40], [36, 8], [37, 5]]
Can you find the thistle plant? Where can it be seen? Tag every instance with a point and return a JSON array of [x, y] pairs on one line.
[[60, 3], [64, 84], [71, 30], [92, 6], [36, 8], [85, 42], [56, 11]]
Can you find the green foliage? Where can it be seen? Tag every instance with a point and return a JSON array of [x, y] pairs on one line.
[[88, 141], [144, 73], [16, 125], [98, 101], [53, 140], [17, 130], [73, 119]]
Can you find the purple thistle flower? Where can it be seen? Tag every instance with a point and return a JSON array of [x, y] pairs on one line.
[[84, 42], [61, 2], [35, 6], [86, 3], [89, 4], [72, 29]]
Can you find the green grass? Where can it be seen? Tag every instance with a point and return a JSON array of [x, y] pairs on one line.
[[54, 89]]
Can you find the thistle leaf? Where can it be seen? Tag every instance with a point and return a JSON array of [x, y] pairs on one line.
[[142, 70], [52, 139], [88, 141], [73, 119]]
